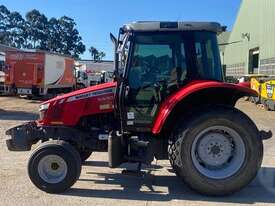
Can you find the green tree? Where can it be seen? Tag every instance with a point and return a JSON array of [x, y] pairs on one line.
[[96, 55], [94, 52], [36, 30], [54, 41], [4, 22], [101, 55], [71, 40], [12, 27], [16, 29]]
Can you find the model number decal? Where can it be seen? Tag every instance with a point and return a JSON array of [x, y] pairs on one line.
[[90, 94], [108, 98], [105, 106]]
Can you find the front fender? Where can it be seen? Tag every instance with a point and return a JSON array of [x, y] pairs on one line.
[[236, 92]]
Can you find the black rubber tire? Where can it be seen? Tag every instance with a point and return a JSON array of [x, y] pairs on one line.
[[65, 151], [172, 154], [84, 155], [229, 117]]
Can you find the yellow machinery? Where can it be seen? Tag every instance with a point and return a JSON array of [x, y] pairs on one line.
[[268, 94], [265, 86], [255, 84]]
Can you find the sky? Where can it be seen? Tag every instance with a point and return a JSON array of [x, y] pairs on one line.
[[96, 19]]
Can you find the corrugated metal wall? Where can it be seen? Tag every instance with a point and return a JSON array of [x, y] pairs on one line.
[[257, 19]]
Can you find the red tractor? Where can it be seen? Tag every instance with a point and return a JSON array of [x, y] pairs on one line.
[[168, 101]]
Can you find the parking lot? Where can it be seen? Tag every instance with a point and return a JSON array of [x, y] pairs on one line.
[[100, 185]]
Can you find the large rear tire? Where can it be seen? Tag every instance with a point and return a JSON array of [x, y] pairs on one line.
[[218, 152], [54, 166]]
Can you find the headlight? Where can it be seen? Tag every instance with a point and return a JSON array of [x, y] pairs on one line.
[[43, 107], [42, 110]]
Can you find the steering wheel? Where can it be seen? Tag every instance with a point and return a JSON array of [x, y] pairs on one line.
[[149, 67]]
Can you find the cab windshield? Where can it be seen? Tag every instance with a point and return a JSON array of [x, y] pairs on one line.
[[174, 58]]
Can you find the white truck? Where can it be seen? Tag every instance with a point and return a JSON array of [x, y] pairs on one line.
[[89, 73]]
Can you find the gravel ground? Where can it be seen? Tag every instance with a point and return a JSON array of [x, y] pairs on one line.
[[100, 185]]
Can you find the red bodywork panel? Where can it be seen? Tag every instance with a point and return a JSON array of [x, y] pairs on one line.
[[245, 84], [69, 108], [168, 105]]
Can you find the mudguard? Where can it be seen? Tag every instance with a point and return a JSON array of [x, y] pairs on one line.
[[169, 104]]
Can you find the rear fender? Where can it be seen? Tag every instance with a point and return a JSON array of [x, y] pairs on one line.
[[196, 95]]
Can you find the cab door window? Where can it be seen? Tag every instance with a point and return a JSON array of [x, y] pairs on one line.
[[207, 56], [156, 61]]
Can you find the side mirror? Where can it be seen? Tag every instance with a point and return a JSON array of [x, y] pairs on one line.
[[115, 42]]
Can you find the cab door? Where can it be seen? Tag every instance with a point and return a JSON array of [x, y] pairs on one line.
[[156, 63]]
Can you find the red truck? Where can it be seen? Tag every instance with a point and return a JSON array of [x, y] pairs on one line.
[[38, 73], [168, 101]]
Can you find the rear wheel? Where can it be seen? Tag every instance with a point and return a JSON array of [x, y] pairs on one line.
[[218, 152], [54, 166], [172, 157]]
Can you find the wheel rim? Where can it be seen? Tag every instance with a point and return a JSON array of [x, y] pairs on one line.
[[52, 169], [218, 152]]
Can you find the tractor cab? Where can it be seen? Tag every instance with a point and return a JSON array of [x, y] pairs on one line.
[[155, 59]]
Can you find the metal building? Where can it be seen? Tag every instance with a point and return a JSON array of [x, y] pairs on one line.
[[223, 41], [92, 66], [251, 47]]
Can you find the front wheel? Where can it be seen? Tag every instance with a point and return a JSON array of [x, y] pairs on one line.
[[218, 152], [54, 166]]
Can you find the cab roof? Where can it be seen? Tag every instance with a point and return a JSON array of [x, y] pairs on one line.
[[149, 26]]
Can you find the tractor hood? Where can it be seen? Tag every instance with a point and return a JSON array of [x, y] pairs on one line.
[[67, 109], [84, 91]]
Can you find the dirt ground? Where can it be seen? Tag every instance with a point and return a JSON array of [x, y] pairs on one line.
[[100, 185]]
